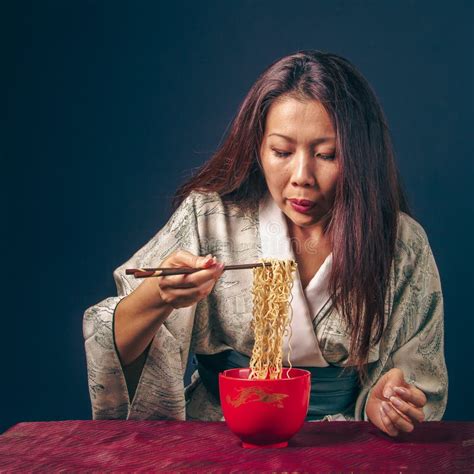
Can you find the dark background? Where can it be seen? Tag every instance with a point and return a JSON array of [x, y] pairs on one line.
[[111, 104]]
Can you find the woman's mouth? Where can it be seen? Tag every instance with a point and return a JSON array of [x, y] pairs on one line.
[[301, 205]]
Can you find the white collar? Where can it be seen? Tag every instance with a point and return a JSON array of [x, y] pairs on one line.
[[275, 241]]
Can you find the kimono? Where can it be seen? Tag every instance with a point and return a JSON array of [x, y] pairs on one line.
[[412, 340]]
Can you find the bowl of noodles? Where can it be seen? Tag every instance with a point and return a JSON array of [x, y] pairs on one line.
[[266, 404], [264, 412]]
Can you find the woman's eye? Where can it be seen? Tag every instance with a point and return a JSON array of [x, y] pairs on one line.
[[280, 154], [284, 154], [326, 157]]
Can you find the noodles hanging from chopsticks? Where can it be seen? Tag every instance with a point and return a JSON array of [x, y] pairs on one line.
[[272, 315]]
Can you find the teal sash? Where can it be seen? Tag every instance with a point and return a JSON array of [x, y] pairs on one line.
[[333, 389]]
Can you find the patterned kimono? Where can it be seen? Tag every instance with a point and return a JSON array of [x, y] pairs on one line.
[[412, 339]]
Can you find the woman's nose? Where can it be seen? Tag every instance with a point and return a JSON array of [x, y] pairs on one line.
[[302, 173]]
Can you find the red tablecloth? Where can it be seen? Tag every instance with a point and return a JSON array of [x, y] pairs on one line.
[[73, 446]]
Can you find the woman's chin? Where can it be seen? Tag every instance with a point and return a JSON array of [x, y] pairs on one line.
[[303, 220]]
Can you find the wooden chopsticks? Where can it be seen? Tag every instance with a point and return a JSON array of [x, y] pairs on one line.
[[157, 272]]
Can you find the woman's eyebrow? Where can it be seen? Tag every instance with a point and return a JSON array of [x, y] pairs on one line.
[[316, 141]]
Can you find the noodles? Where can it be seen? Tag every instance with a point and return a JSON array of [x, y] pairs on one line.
[[271, 316]]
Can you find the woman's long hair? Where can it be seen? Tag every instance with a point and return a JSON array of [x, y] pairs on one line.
[[363, 222]]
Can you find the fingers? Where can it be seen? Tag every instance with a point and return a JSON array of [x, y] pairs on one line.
[[394, 423], [406, 407], [412, 412], [183, 258], [411, 395], [395, 385], [407, 418], [388, 425], [184, 290], [183, 297], [211, 270], [193, 280], [393, 378], [399, 404]]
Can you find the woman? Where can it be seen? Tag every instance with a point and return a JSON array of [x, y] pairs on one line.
[[306, 172]]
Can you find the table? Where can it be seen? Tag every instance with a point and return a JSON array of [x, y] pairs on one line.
[[191, 446]]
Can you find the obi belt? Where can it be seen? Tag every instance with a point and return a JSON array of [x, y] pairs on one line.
[[333, 389]]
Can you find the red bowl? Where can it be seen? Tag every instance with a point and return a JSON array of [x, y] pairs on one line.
[[264, 413]]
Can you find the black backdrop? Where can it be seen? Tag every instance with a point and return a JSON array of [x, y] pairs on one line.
[[111, 104]]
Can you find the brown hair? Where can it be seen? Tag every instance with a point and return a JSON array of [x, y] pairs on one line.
[[363, 222]]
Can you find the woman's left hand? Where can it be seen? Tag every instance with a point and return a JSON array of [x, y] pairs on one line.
[[395, 405]]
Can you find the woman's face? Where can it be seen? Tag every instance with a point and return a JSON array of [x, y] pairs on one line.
[[298, 156]]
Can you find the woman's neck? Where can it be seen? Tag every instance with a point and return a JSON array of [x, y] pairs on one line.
[[309, 237]]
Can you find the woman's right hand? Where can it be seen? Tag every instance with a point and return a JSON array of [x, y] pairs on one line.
[[139, 315], [179, 291]]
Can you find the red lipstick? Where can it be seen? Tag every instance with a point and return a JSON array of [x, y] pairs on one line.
[[301, 205]]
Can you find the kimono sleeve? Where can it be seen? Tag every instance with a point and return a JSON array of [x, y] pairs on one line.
[[419, 349], [167, 356], [414, 337]]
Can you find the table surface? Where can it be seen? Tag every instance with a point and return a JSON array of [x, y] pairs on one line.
[[182, 446]]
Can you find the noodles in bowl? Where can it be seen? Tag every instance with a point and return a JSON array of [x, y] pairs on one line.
[[266, 404]]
